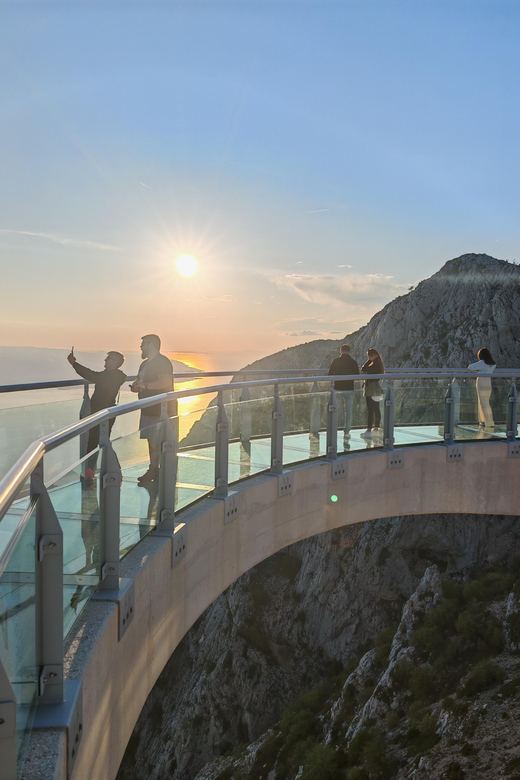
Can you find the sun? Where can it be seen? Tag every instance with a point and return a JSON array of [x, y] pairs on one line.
[[186, 265]]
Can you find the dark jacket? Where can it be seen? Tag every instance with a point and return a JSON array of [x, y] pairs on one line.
[[344, 365], [106, 385]]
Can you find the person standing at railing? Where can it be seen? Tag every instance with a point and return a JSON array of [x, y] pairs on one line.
[[345, 365], [107, 384], [484, 365], [373, 391], [155, 376]]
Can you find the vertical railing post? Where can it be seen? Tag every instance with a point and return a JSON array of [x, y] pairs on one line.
[[221, 449], [332, 425], [449, 416], [84, 412], [389, 419], [7, 727], [109, 511], [48, 593], [277, 433], [245, 416], [512, 413], [455, 390], [167, 470], [314, 412]]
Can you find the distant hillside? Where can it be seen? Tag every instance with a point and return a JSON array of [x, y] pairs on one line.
[[472, 302]]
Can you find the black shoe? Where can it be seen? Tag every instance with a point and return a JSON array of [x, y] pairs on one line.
[[152, 475]]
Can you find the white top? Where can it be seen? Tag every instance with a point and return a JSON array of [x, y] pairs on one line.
[[482, 368]]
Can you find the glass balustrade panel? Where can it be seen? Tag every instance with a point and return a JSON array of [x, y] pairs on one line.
[[480, 407], [305, 421], [24, 419], [196, 455], [18, 624], [14, 514], [250, 437], [139, 456], [74, 491], [419, 406]]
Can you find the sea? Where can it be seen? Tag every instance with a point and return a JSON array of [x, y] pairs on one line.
[[28, 415]]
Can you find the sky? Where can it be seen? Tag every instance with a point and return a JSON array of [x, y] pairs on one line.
[[316, 158]]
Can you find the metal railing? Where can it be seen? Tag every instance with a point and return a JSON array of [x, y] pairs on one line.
[[37, 525]]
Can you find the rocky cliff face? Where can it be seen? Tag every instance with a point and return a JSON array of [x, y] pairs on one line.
[[472, 302], [289, 625]]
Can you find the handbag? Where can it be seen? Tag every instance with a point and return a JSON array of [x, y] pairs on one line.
[[374, 390]]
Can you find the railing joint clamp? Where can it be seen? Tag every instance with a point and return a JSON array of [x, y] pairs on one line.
[[110, 479], [167, 446], [108, 569], [50, 674], [277, 415], [221, 427], [49, 544]]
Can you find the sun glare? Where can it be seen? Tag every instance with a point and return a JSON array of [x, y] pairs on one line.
[[186, 265]]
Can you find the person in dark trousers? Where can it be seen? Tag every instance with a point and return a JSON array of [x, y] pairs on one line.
[[155, 376], [107, 384], [345, 365], [373, 391]]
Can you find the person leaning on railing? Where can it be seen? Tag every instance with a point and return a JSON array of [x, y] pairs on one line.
[[484, 365], [373, 391], [107, 384]]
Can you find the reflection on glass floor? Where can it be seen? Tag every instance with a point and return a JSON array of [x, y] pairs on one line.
[[77, 508]]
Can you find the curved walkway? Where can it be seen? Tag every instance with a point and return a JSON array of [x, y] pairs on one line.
[[175, 579]]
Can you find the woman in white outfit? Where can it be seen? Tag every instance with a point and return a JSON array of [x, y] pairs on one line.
[[484, 365]]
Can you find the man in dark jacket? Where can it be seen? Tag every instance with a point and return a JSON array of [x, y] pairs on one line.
[[344, 365], [107, 384]]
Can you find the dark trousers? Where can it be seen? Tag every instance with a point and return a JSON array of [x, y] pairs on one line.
[[374, 413]]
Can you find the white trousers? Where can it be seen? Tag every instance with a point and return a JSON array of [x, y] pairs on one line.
[[485, 415]]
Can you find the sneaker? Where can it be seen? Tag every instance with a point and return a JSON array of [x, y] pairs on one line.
[[152, 475], [366, 435]]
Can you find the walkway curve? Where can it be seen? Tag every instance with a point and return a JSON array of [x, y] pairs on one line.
[[117, 676]]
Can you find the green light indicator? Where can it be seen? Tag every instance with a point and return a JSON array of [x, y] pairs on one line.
[[333, 498]]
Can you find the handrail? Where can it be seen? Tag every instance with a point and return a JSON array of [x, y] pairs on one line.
[[15, 477], [188, 375]]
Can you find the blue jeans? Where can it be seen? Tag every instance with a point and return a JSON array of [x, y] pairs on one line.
[[348, 395]]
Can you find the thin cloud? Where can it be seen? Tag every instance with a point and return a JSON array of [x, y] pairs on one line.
[[354, 289], [63, 240]]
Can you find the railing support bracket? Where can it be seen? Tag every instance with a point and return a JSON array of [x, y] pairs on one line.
[[124, 597], [66, 715]]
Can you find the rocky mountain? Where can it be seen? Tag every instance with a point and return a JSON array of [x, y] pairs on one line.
[[367, 652], [472, 302]]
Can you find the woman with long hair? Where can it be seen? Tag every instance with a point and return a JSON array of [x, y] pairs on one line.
[[485, 365], [373, 391]]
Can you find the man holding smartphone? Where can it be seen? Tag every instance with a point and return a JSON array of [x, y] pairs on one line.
[[107, 384]]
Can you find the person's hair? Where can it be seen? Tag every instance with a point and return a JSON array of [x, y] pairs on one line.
[[117, 356], [485, 355], [344, 348], [377, 360], [152, 339]]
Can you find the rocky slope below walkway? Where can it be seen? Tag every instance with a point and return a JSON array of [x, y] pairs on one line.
[[292, 623]]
